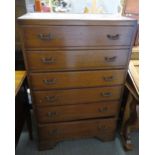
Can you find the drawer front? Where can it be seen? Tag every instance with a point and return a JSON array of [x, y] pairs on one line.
[[41, 81], [77, 129], [76, 96], [62, 36], [76, 112], [76, 60]]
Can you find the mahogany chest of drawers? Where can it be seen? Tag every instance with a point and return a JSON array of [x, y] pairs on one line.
[[77, 66]]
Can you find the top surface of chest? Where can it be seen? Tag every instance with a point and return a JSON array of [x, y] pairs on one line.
[[74, 19]]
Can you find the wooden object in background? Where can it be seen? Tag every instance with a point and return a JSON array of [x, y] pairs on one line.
[[135, 53], [20, 9], [131, 9], [19, 79], [130, 117], [77, 66], [76, 96], [22, 110]]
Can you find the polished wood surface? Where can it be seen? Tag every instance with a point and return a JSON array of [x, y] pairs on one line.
[[76, 60], [76, 96], [41, 81], [76, 129], [77, 112], [77, 65], [61, 36], [19, 78]]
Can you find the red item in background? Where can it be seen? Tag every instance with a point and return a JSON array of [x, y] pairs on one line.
[[38, 6], [46, 9]]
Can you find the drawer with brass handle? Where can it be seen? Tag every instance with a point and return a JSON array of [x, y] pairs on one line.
[[76, 129], [76, 96], [62, 36], [88, 59], [77, 112], [77, 66], [56, 60], [79, 79]]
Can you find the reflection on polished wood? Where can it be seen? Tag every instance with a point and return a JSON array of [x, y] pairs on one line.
[[77, 60], [77, 66]]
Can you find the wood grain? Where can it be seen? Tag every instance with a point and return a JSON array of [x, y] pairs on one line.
[[76, 59], [77, 112], [77, 129], [74, 73], [79, 79], [62, 36], [76, 96]]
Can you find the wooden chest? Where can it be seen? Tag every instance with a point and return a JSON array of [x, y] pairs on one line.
[[77, 66]]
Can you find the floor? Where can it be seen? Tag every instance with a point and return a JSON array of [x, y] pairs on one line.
[[77, 147]]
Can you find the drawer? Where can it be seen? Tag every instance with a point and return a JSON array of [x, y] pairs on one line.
[[64, 36], [77, 112], [77, 129], [41, 81], [76, 60], [76, 96]]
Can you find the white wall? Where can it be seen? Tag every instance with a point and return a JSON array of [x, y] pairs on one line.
[[77, 6], [109, 6]]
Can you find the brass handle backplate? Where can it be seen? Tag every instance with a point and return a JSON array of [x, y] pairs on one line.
[[110, 59], [48, 60], [109, 78], [102, 127], [53, 132], [49, 81], [50, 98], [45, 37], [104, 109], [113, 37], [106, 94], [51, 114]]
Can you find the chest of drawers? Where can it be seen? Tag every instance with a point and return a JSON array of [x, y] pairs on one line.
[[77, 66]]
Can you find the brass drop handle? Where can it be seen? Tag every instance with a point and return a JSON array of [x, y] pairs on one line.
[[45, 37], [113, 37], [50, 98], [102, 127], [51, 114], [110, 59], [104, 109], [53, 132], [109, 78], [48, 60], [49, 81], [106, 94]]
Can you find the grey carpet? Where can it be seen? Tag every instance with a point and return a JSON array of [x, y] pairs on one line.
[[76, 147]]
